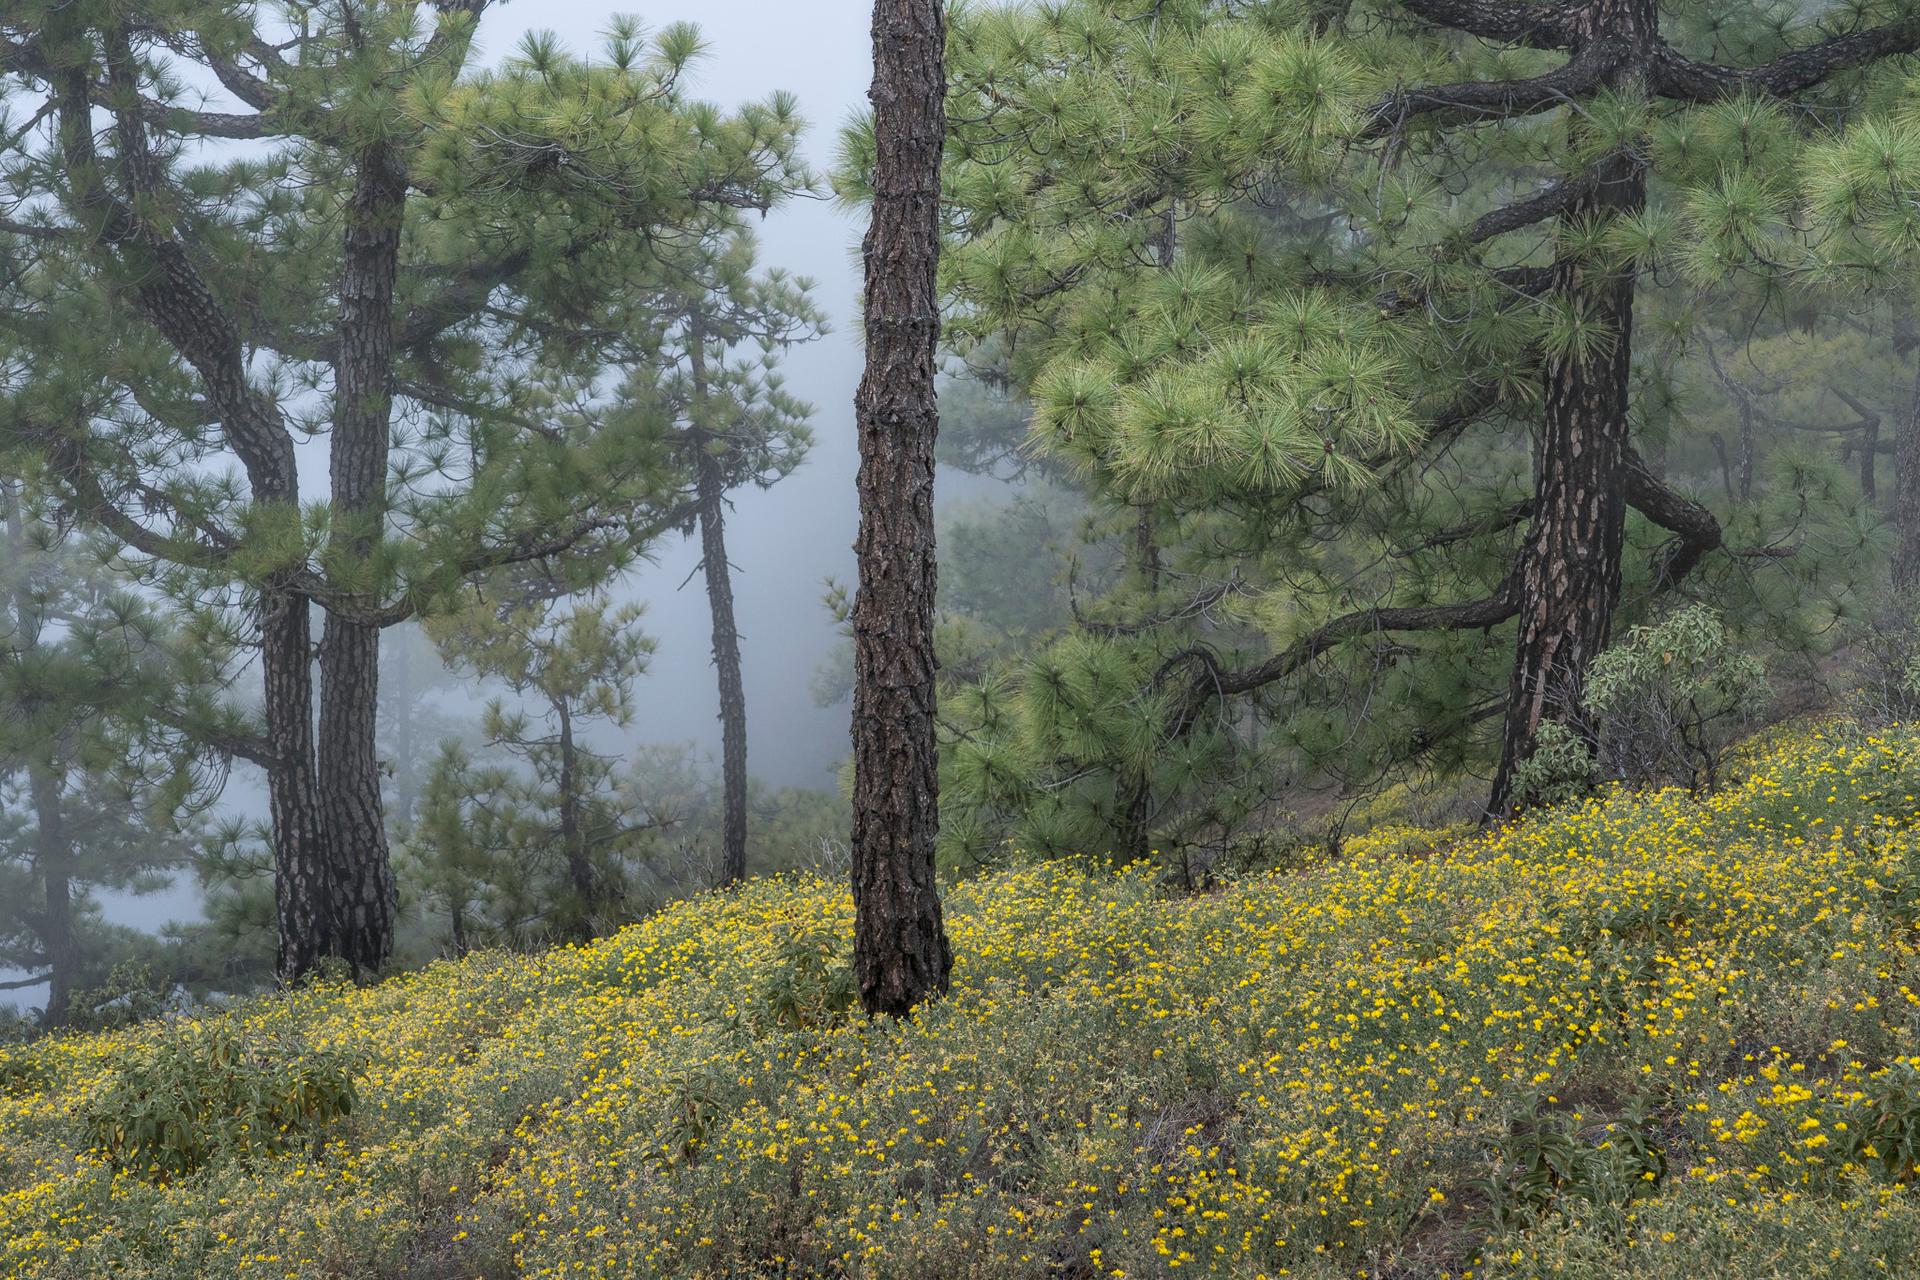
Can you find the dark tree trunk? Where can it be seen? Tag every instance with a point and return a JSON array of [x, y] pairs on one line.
[[303, 881], [573, 838], [349, 761], [1569, 579], [726, 662], [711, 495], [901, 955], [1906, 496]]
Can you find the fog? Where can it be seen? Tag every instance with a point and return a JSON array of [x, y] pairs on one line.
[[785, 542]]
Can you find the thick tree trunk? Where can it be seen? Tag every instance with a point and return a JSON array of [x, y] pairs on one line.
[[711, 495], [900, 946], [303, 881], [349, 761], [1906, 496], [1569, 579]]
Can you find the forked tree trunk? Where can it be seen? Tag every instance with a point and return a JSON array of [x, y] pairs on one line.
[[901, 955], [303, 882], [1569, 579], [349, 763]]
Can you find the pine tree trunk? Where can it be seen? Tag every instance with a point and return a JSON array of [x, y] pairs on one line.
[[726, 662], [711, 494], [573, 840], [53, 859], [1906, 496], [901, 955], [303, 882], [349, 760], [53, 850], [1569, 579]]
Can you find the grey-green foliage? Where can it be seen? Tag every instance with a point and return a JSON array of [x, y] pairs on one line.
[[1665, 704], [542, 839], [207, 1090]]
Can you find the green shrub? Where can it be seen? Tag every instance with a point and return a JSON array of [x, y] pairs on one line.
[[1551, 1161], [1671, 698], [201, 1092]]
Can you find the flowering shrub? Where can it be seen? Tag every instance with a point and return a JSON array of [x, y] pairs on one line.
[[1327, 1072]]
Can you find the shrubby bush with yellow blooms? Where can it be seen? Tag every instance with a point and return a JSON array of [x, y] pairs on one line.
[[1647, 1034]]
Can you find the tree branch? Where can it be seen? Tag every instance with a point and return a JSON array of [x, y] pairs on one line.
[[1675, 76], [1695, 530], [1472, 101], [1533, 26]]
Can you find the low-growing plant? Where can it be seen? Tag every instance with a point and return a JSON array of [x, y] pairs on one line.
[[1671, 698], [1664, 706], [202, 1091], [1883, 1129], [1555, 1160], [810, 983]]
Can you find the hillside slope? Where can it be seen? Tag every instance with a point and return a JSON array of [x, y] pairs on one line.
[[1651, 1035]]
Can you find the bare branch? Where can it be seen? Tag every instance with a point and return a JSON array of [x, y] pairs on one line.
[[1473, 101], [1676, 76], [1535, 26]]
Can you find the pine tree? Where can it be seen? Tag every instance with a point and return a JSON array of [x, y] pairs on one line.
[[94, 779], [378, 268], [705, 363], [1292, 280], [901, 956], [547, 846]]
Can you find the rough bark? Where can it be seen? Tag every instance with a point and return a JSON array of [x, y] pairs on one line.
[[1568, 582], [349, 762], [710, 498], [901, 955], [302, 885]]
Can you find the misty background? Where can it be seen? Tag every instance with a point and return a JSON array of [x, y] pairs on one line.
[[786, 542]]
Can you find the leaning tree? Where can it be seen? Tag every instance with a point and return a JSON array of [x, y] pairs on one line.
[[1291, 280], [278, 275]]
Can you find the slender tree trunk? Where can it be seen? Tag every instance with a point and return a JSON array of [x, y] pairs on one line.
[[1906, 495], [53, 858], [349, 760], [726, 662], [1569, 578], [573, 840], [711, 495], [901, 955], [52, 850]]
